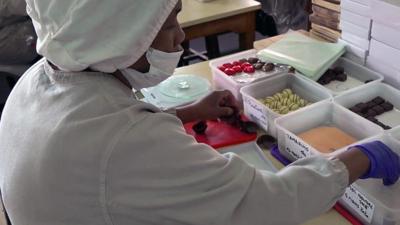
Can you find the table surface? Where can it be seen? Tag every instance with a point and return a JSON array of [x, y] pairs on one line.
[[202, 69], [196, 12]]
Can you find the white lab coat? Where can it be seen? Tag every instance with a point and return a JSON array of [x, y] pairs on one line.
[[77, 148]]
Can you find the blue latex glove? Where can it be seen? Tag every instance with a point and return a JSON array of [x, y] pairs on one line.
[[385, 164]]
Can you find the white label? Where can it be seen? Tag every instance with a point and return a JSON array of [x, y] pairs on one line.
[[256, 112], [357, 201], [296, 147]]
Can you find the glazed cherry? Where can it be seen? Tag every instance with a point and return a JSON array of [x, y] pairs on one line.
[[237, 69], [249, 69], [236, 63], [230, 71], [222, 68], [227, 65], [244, 65]]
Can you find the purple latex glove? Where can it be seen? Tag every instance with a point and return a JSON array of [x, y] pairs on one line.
[[385, 164]]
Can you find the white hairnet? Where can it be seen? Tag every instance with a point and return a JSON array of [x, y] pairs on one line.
[[104, 35]]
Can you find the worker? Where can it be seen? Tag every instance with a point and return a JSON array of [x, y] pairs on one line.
[[78, 148]]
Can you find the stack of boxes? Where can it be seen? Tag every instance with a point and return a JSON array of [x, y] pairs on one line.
[[384, 53], [356, 24], [325, 20]]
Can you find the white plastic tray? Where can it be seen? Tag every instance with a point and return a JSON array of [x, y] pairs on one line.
[[391, 75], [354, 53], [264, 116], [320, 114], [234, 83], [357, 75], [372, 202], [252, 154], [356, 40], [387, 54], [370, 92]]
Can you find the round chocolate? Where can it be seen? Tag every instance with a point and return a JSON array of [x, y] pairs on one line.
[[253, 60], [387, 106], [258, 66], [378, 100], [268, 67], [243, 60]]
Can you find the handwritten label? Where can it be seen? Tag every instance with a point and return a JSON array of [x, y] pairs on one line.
[[296, 147], [357, 201], [256, 112]]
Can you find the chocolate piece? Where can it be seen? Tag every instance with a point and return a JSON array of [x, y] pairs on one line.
[[258, 66], [363, 107], [338, 70], [378, 109], [355, 109], [330, 73], [371, 104], [253, 60], [378, 100], [384, 126], [371, 113], [341, 77], [367, 81], [292, 70], [200, 127], [387, 106], [268, 67], [243, 60], [372, 119]]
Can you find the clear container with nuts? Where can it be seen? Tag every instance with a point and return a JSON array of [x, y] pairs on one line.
[[282, 94]]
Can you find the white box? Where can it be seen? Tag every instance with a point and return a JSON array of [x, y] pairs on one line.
[[390, 74], [385, 53], [252, 154], [386, 34], [354, 53], [356, 19], [363, 2], [369, 92], [356, 40], [372, 202], [355, 7], [233, 84], [386, 12], [264, 116], [357, 76], [352, 28], [320, 114]]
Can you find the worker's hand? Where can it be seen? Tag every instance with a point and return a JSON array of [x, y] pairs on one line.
[[385, 164], [213, 106]]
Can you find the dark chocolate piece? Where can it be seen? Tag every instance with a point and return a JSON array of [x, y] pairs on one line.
[[355, 109], [372, 119], [384, 126], [292, 70], [378, 109], [268, 67], [371, 113], [200, 127], [258, 66], [362, 106], [253, 60], [371, 104], [341, 77], [338, 70], [243, 60], [378, 100], [387, 106]]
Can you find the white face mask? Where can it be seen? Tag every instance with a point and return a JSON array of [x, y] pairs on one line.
[[162, 63]]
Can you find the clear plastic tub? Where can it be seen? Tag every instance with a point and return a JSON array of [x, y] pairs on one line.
[[235, 83], [264, 116], [252, 154], [321, 114], [372, 202], [369, 92], [357, 76]]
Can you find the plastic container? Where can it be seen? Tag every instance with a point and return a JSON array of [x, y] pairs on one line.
[[353, 6], [356, 19], [369, 200], [252, 154], [386, 12], [264, 116], [391, 75], [386, 34], [387, 54], [235, 83], [369, 92], [321, 114], [356, 40], [357, 76], [355, 53], [352, 28]]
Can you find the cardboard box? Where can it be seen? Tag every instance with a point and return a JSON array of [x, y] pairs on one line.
[[387, 54], [362, 21], [355, 7], [386, 34]]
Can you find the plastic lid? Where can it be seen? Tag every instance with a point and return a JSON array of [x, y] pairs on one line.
[[184, 86]]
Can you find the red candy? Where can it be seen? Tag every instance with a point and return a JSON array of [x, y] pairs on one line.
[[222, 68], [244, 65], [237, 63], [227, 65], [237, 69], [229, 71], [249, 69]]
